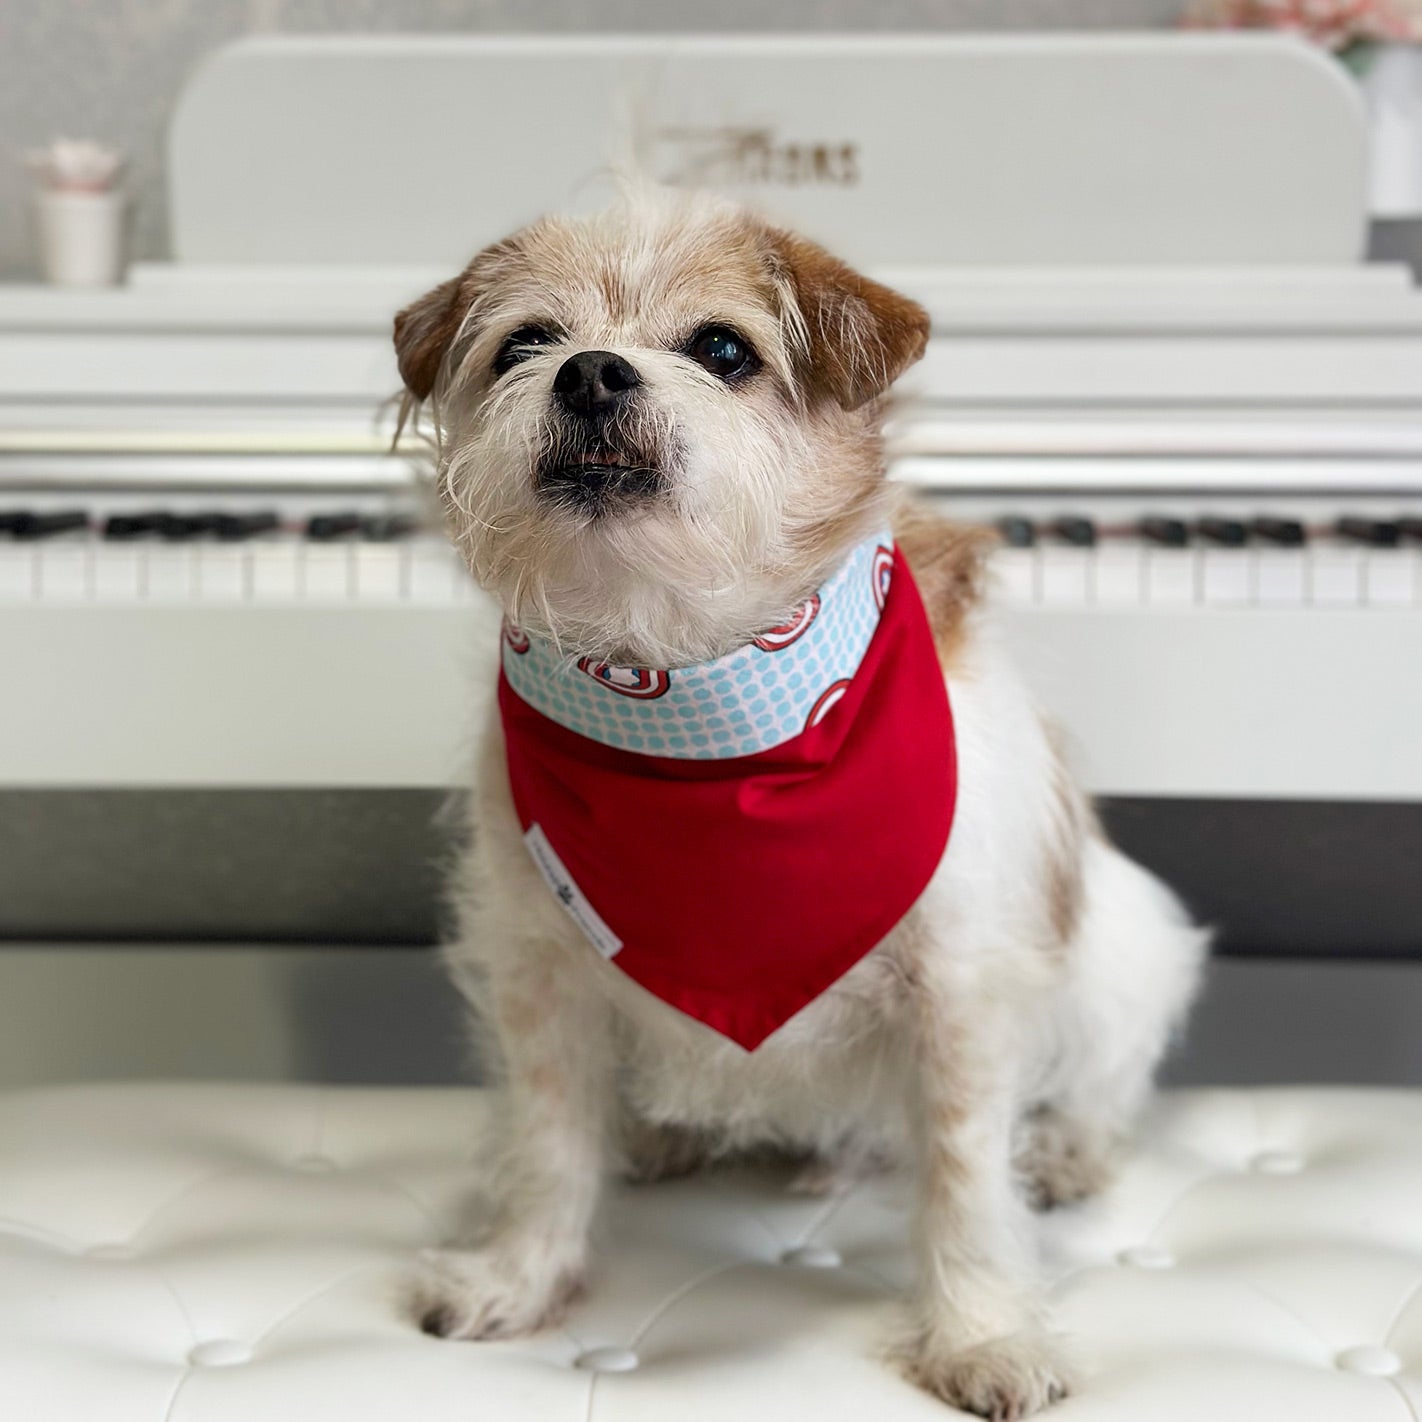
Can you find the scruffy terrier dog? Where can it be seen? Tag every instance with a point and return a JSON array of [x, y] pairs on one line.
[[659, 446]]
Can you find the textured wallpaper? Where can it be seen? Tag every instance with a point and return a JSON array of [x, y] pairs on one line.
[[110, 69]]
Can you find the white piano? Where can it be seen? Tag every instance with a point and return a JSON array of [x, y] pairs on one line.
[[1158, 362]]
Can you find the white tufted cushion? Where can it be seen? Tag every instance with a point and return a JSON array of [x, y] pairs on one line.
[[198, 1253]]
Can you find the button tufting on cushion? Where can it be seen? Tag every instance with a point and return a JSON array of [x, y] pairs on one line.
[[313, 1164], [1276, 1162], [811, 1256], [607, 1360], [239, 1255], [1372, 1361], [220, 1353], [1147, 1256], [112, 1253]]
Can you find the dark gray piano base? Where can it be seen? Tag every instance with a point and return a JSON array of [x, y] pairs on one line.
[[1278, 878], [105, 1011]]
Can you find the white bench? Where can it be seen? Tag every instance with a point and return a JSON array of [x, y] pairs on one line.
[[209, 1253]]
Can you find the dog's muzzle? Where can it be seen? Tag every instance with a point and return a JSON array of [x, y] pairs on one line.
[[588, 470], [597, 480]]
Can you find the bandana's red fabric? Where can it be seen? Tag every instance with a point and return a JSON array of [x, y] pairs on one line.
[[742, 888]]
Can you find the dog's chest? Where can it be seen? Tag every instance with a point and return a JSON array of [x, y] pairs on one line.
[[841, 1059]]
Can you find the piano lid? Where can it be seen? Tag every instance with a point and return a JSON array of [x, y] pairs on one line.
[[918, 151]]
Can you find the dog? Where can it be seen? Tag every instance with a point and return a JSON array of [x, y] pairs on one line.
[[658, 435]]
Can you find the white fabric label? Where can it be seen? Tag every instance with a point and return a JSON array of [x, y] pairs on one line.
[[569, 895]]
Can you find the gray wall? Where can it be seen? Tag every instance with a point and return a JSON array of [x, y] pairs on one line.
[[110, 69]]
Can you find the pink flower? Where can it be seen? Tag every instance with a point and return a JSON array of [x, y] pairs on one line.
[[1335, 24]]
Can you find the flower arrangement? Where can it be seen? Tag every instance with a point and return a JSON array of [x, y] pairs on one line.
[[75, 165], [1337, 25]]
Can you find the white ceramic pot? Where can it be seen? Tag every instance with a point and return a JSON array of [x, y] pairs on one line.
[[81, 236], [1393, 86]]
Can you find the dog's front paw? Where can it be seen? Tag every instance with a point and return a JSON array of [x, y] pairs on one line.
[[1004, 1379], [492, 1293]]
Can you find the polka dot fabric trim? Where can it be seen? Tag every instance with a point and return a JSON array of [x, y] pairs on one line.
[[759, 696]]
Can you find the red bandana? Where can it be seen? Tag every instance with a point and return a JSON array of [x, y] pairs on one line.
[[738, 889]]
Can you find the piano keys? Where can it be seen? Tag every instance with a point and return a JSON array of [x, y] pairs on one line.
[[109, 552], [1233, 557]]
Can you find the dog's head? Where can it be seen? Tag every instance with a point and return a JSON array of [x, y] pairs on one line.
[[658, 428]]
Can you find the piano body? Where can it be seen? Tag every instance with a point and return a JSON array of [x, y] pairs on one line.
[[1158, 362]]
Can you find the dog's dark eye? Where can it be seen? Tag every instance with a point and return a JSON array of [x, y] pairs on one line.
[[519, 345], [722, 352]]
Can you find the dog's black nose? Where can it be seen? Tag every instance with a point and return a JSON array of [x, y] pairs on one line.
[[593, 383]]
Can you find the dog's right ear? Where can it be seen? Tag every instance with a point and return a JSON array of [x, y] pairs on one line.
[[424, 332], [426, 329]]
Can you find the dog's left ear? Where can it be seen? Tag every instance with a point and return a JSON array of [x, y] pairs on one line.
[[859, 336]]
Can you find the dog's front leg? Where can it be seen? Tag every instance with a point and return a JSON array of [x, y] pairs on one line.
[[977, 1337], [543, 1194]]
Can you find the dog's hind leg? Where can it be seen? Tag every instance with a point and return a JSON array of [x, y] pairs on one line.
[[1133, 966]]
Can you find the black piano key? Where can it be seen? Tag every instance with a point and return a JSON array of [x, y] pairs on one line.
[[324, 527], [133, 525], [37, 525], [382, 528], [179, 528], [1079, 532], [1168, 532], [1411, 528], [1016, 532], [232, 528], [1286, 532], [1227, 532], [1376, 533]]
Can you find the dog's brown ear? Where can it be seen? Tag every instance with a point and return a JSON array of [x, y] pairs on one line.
[[424, 331], [860, 336], [427, 328]]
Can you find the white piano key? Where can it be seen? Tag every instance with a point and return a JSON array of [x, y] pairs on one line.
[[275, 567], [64, 570], [1280, 577], [1335, 576], [1119, 575], [1066, 574], [222, 572], [1016, 570], [118, 572], [326, 572], [1390, 577], [435, 571], [168, 572], [1224, 575], [1170, 577], [380, 571], [17, 572]]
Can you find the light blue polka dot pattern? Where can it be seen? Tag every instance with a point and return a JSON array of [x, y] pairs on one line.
[[748, 701]]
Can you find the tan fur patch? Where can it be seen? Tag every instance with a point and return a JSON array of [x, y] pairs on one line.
[[426, 328], [861, 336], [1073, 820], [423, 332], [949, 562]]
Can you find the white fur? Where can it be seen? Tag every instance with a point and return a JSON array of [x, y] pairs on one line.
[[970, 1039]]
